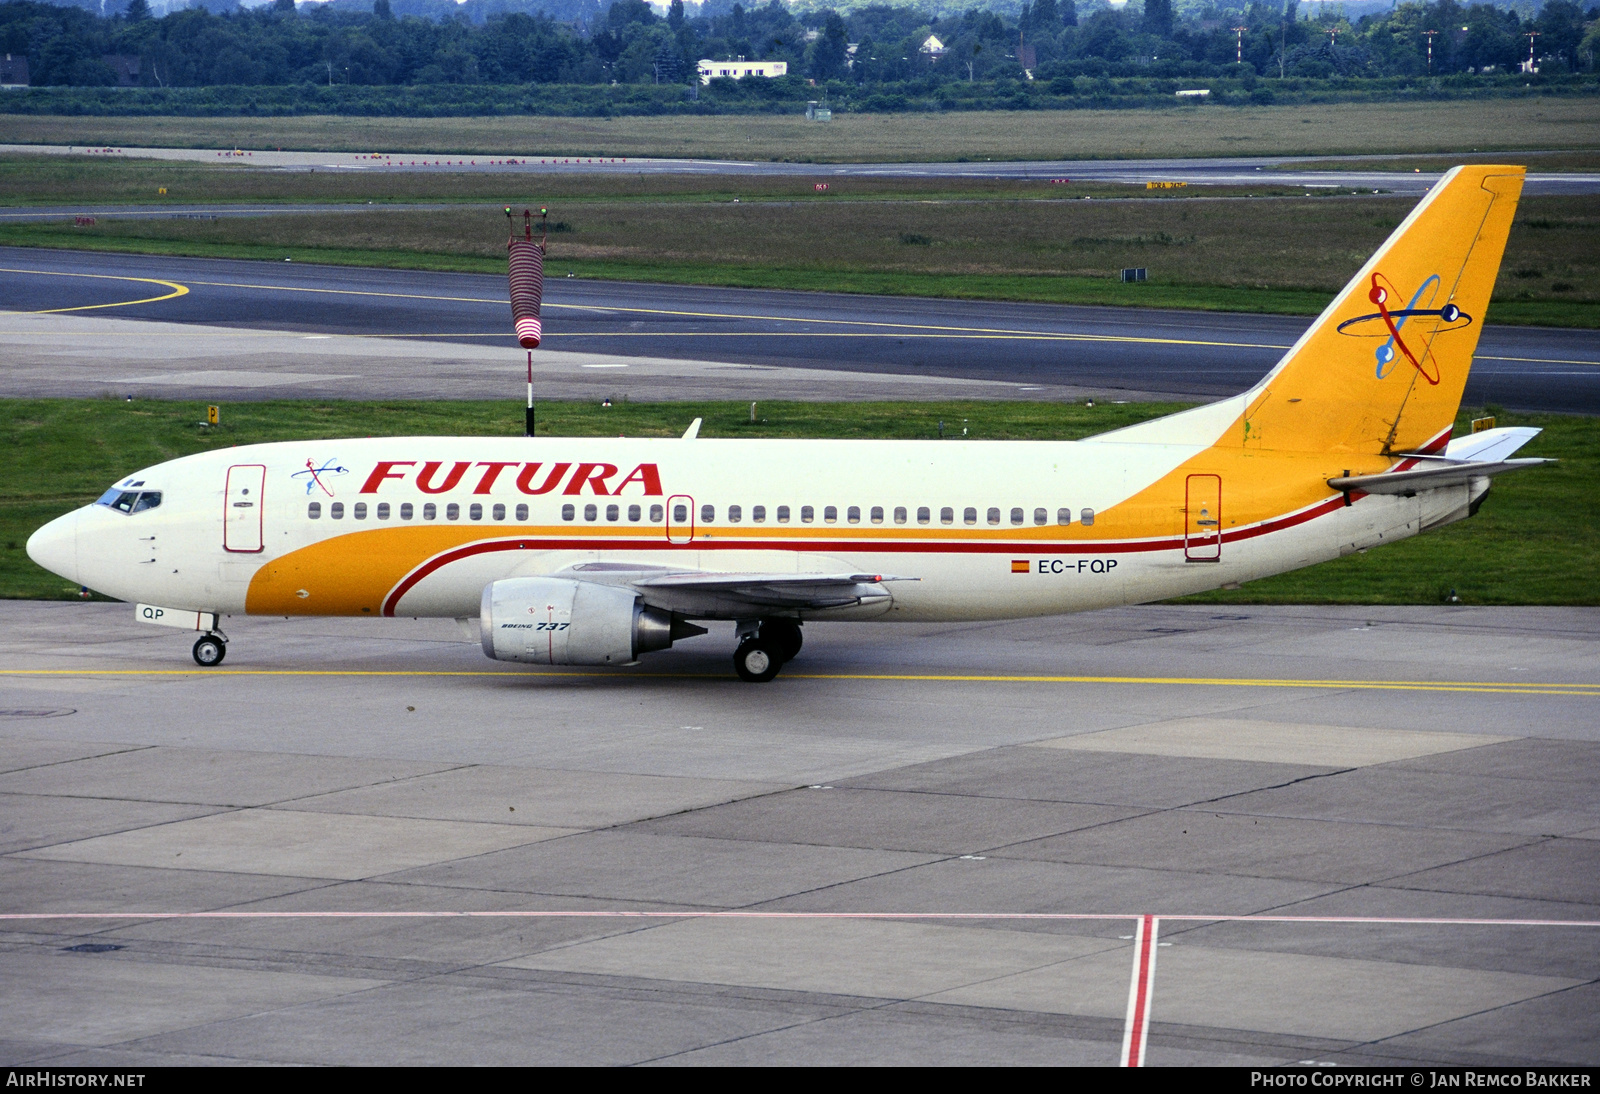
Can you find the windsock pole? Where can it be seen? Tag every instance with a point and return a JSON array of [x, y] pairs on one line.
[[526, 272]]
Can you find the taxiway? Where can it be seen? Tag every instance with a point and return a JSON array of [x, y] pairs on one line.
[[1035, 350], [319, 814]]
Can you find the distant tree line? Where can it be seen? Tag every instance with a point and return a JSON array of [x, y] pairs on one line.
[[1048, 47]]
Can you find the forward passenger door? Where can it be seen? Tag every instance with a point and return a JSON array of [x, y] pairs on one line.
[[242, 514]]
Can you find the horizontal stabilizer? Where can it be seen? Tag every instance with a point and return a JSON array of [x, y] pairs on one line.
[[1491, 444], [1433, 477]]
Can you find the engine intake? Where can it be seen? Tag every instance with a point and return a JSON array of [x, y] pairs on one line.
[[553, 621]]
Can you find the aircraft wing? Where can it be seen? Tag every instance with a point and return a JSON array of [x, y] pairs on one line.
[[758, 590]]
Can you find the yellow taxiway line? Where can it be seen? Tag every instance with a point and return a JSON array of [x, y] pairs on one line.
[[1501, 687], [903, 330], [177, 290], [952, 330]]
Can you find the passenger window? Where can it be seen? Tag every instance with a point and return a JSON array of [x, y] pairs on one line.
[[1041, 516], [522, 511], [947, 515], [969, 515], [1016, 516], [680, 514], [359, 510], [383, 510], [568, 512], [735, 514], [658, 513], [807, 514], [635, 513], [758, 513], [877, 515], [147, 500], [452, 511], [475, 510], [406, 510], [900, 514], [924, 514], [994, 516], [591, 512], [708, 514], [314, 510], [336, 510], [1063, 516], [499, 510], [430, 511], [830, 514], [1087, 518], [783, 514], [853, 514], [613, 513]]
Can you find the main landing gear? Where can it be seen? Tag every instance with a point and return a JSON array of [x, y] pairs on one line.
[[210, 649], [764, 648]]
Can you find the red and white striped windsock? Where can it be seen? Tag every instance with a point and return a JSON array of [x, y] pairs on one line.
[[527, 287]]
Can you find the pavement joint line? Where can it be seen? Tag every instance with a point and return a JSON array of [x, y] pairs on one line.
[[1536, 360], [1354, 920], [1580, 690], [203, 331]]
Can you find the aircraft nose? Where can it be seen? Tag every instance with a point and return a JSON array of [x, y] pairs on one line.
[[55, 546]]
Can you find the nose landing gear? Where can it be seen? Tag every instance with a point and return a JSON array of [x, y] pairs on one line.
[[764, 648], [210, 649]]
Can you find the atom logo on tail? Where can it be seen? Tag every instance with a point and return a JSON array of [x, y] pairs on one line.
[[1394, 320]]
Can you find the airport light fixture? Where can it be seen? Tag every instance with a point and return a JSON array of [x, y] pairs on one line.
[[1428, 34]]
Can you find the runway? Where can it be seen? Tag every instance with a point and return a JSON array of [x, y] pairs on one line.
[[363, 843], [1048, 350], [1218, 171]]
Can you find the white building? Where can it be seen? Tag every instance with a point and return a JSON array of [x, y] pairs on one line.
[[932, 47], [738, 70]]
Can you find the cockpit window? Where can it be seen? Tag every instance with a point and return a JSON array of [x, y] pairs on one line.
[[130, 501]]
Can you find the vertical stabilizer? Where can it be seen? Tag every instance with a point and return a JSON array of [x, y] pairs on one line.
[[1381, 371]]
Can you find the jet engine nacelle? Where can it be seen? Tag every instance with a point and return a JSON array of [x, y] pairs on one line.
[[552, 621]]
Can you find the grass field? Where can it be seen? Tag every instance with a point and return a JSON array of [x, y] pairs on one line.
[[1005, 241], [1536, 539], [1320, 129]]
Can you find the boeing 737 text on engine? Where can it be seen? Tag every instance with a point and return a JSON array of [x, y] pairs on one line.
[[577, 551]]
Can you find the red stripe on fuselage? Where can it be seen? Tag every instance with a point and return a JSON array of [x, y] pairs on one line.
[[886, 546]]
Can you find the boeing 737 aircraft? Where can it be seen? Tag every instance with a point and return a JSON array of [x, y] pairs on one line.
[[594, 551]]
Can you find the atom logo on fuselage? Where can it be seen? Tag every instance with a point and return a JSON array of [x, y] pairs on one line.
[[314, 473], [1392, 321]]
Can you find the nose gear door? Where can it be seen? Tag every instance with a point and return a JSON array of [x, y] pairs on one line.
[[242, 516]]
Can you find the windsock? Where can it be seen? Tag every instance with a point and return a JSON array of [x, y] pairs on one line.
[[527, 287]]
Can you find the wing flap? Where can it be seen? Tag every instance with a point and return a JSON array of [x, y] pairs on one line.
[[1433, 477]]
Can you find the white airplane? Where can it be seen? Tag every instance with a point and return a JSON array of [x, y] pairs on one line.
[[594, 551]]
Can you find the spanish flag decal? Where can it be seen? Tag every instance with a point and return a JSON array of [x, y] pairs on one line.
[[1019, 566]]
